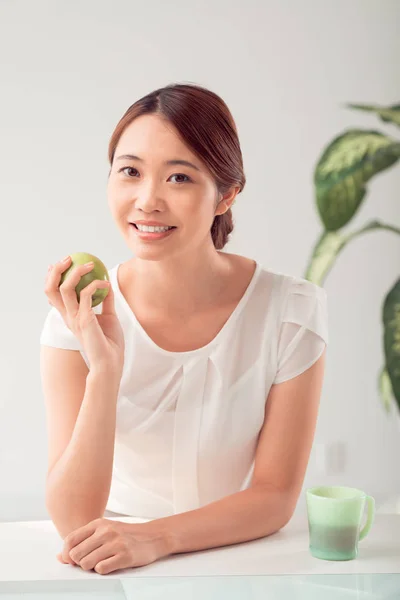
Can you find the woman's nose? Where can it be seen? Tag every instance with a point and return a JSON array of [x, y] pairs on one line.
[[148, 200]]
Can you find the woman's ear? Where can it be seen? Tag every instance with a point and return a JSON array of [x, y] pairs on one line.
[[226, 201]]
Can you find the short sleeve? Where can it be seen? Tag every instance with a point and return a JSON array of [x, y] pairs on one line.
[[304, 329], [55, 333]]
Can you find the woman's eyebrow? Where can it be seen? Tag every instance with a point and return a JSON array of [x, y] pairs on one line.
[[176, 161]]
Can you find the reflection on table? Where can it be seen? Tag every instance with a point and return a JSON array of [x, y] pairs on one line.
[[384, 586]]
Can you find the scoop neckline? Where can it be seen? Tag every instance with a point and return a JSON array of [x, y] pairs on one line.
[[197, 351]]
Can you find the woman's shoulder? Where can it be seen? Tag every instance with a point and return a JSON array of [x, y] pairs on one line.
[[293, 284], [285, 297], [280, 282], [301, 302]]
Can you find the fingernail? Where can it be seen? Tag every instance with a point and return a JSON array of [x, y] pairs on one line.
[[89, 264], [66, 258]]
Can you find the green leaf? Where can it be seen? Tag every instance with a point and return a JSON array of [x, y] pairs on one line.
[[385, 389], [343, 169], [331, 243], [389, 114], [323, 256], [391, 338]]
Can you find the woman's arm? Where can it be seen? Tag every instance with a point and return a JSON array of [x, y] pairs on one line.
[[281, 460], [78, 485]]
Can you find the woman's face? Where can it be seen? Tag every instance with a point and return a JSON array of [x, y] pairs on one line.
[[146, 189]]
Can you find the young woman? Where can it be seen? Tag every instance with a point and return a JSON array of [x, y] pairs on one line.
[[190, 396]]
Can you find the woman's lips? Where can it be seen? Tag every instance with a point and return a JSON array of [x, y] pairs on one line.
[[151, 235]]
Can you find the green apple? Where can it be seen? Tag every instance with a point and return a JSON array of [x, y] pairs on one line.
[[99, 271]]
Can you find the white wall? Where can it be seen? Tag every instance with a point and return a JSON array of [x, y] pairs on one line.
[[70, 70]]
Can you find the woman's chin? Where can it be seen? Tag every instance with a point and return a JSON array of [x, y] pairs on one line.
[[151, 251]]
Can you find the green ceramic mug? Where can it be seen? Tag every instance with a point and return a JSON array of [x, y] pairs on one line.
[[334, 521]]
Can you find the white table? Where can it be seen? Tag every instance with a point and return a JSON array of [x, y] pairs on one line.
[[28, 554]]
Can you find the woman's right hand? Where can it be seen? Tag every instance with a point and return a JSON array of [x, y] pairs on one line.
[[100, 335]]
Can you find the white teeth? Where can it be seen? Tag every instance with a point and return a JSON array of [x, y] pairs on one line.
[[151, 229]]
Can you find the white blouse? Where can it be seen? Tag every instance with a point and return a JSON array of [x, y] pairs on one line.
[[187, 423]]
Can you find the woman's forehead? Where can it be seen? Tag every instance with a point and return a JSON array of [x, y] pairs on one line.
[[154, 141], [147, 128]]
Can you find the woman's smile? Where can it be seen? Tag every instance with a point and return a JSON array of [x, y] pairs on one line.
[[151, 232]]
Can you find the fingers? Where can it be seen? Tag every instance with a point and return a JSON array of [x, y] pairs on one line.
[[68, 562], [67, 289], [87, 293]]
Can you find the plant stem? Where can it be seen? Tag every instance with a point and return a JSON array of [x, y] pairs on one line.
[[330, 244], [370, 227]]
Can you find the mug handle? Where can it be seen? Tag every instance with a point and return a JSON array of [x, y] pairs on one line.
[[370, 518]]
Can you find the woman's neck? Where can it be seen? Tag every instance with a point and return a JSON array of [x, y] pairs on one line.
[[180, 285]]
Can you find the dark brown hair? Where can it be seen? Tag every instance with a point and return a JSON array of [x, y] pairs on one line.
[[206, 125]]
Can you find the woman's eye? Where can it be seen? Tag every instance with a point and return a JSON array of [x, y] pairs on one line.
[[180, 175], [127, 169]]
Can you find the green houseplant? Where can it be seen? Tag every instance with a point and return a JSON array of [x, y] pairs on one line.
[[340, 178]]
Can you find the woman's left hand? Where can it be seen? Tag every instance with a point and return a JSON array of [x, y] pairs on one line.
[[106, 546]]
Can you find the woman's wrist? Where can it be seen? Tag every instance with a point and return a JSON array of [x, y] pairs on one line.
[[160, 536], [105, 375]]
